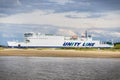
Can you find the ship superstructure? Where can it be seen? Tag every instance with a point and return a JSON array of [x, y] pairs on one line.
[[36, 40]]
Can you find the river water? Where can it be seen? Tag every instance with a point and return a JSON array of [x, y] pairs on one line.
[[54, 68]]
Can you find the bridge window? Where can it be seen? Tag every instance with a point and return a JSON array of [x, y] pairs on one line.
[[28, 34], [27, 40]]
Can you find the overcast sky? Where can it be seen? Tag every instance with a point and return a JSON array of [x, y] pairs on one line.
[[61, 17]]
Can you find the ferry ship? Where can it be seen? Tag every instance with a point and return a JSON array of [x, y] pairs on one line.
[[38, 40]]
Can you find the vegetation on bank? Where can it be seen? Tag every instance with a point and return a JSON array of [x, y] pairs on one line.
[[1, 48], [117, 46], [92, 49]]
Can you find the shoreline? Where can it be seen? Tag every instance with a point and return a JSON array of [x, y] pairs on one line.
[[60, 53]]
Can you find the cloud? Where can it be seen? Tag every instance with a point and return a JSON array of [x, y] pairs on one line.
[[40, 17], [105, 33], [77, 15], [66, 32], [12, 7], [8, 35], [9, 3], [109, 4], [2, 15], [115, 34], [9, 7], [62, 2]]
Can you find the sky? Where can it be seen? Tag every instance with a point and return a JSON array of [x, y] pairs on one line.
[[101, 18]]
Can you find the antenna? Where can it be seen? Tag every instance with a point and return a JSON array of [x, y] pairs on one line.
[[86, 35]]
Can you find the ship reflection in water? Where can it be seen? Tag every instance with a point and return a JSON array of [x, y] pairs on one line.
[[48, 68]]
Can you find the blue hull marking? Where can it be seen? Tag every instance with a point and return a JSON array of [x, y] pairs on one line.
[[35, 46]]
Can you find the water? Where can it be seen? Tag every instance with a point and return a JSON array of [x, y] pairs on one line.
[[49, 68]]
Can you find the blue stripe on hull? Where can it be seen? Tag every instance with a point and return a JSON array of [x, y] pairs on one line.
[[35, 46]]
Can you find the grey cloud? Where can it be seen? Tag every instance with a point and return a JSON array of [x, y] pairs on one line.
[[22, 6], [93, 15], [9, 3], [9, 7]]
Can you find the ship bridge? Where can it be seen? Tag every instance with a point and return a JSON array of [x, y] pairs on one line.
[[30, 34]]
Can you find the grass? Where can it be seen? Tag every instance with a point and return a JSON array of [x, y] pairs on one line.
[[117, 46], [78, 48], [1, 48], [92, 49]]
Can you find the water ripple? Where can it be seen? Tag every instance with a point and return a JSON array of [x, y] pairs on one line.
[[49, 68]]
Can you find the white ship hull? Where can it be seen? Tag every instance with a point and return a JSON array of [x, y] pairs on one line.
[[36, 41]]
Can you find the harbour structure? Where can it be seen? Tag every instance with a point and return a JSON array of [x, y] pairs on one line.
[[38, 40]]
